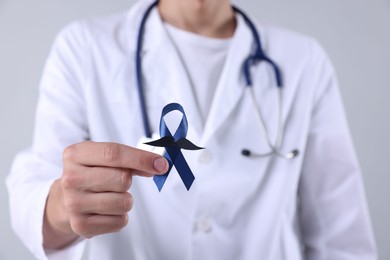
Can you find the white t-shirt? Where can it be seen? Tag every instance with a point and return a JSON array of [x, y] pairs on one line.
[[203, 58]]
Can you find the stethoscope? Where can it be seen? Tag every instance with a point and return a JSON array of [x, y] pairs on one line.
[[255, 57]]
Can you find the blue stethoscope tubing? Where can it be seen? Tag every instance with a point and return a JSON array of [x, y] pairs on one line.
[[255, 57]]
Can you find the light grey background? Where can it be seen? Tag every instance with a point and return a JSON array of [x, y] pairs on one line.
[[355, 33]]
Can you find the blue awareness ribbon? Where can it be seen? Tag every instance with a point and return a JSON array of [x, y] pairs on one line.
[[173, 145]]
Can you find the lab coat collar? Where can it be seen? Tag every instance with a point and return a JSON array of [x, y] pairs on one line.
[[231, 84], [166, 73]]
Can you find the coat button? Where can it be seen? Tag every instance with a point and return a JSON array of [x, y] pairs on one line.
[[205, 156], [204, 225]]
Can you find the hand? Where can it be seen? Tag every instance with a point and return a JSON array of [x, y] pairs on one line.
[[91, 197]]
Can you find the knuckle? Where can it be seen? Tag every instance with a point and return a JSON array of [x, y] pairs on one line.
[[69, 179], [111, 152], [127, 202], [69, 153], [79, 225], [125, 180], [121, 222]]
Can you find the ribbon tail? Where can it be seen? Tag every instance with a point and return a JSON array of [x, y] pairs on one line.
[[184, 170], [159, 180]]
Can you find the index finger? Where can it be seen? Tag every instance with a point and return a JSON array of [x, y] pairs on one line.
[[116, 155]]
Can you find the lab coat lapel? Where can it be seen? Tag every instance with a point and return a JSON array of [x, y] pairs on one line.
[[231, 85], [165, 78]]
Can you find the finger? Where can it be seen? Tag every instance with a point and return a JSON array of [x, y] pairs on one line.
[[105, 179], [98, 179], [116, 155], [92, 225], [103, 203]]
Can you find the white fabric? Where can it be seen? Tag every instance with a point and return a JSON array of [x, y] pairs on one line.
[[311, 207], [203, 58]]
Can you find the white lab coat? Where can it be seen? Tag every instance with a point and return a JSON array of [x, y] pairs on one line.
[[310, 207]]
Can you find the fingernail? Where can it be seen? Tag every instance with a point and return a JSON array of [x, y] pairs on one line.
[[160, 164]]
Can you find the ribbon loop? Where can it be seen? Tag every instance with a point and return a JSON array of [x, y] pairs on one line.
[[173, 144]]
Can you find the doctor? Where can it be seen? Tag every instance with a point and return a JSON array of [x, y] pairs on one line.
[[83, 177]]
